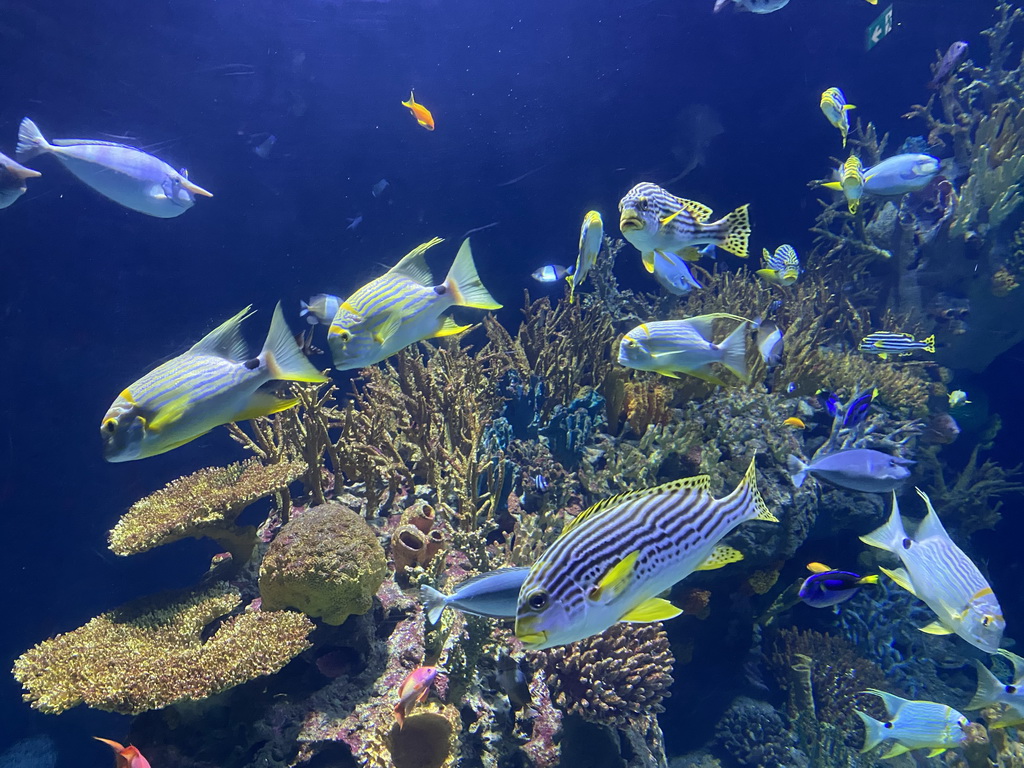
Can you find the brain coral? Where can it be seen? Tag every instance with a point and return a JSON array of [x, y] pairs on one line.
[[326, 562], [159, 650]]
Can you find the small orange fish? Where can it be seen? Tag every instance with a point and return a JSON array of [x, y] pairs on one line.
[[794, 422], [421, 113], [125, 757], [413, 690]]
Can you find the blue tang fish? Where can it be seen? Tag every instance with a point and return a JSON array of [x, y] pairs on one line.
[[826, 587]]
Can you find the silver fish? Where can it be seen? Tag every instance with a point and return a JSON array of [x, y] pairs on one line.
[[949, 62], [914, 725], [754, 6], [859, 469], [492, 594], [126, 175], [12, 180]]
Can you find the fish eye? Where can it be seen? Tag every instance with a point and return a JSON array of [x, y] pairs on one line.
[[906, 543], [344, 335], [888, 725], [1010, 688], [986, 621], [538, 601], [109, 426], [641, 203]]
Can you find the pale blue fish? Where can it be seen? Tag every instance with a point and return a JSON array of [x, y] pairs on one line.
[[126, 175], [938, 572], [672, 347], [1008, 698], [379, 188], [354, 222], [673, 274], [914, 725], [900, 174], [753, 6], [12, 180], [614, 559], [215, 382], [551, 273], [320, 309], [781, 267], [859, 469], [494, 595], [591, 238], [404, 306], [833, 105]]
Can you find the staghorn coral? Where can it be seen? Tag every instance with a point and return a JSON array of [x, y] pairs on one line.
[[157, 651], [203, 504], [753, 734], [612, 678], [326, 562]]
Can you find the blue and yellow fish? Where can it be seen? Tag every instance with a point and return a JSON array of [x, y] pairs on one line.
[[914, 725], [781, 267], [215, 382], [672, 347], [673, 274], [826, 587], [833, 105], [591, 238], [851, 183], [885, 343], [1007, 697]]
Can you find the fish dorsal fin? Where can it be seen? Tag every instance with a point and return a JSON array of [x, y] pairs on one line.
[[654, 609], [614, 583], [225, 340], [893, 703], [414, 266], [699, 211], [703, 323], [720, 557], [91, 143], [485, 576], [931, 526], [698, 483]]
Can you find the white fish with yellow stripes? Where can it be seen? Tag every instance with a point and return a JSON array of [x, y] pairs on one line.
[[653, 219], [1008, 698], [591, 238], [404, 306], [213, 383], [938, 572], [613, 560], [914, 725], [672, 347]]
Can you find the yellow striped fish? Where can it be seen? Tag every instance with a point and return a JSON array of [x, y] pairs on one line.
[[404, 306], [671, 347], [851, 182], [913, 725], [938, 572], [833, 105], [653, 219], [614, 559], [1007, 697], [781, 267], [591, 237], [213, 383]]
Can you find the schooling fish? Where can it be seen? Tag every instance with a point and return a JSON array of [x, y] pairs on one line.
[[673, 274], [851, 183], [653, 219], [414, 690], [672, 347], [826, 587], [914, 725], [12, 180], [938, 572], [125, 757], [859, 469], [833, 105], [404, 306], [948, 64], [612, 560], [781, 267], [885, 343], [992, 693], [493, 595], [900, 174], [215, 382], [321, 309], [591, 237], [421, 113], [551, 273], [123, 174]]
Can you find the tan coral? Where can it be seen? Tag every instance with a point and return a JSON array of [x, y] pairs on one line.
[[428, 739]]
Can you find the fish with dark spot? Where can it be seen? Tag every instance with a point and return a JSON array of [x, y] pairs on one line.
[[954, 55]]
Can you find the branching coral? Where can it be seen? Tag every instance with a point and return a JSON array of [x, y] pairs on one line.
[[156, 651], [611, 678], [205, 503]]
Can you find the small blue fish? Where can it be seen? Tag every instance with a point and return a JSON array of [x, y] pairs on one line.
[[264, 148], [826, 587], [900, 174], [551, 273], [378, 189], [829, 401], [791, 388], [914, 725], [353, 223], [494, 595], [948, 64], [673, 274], [857, 409], [541, 483], [321, 309]]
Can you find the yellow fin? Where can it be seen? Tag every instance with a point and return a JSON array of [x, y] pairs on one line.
[[833, 185], [449, 328], [936, 752], [648, 260], [463, 283], [737, 227], [720, 557], [264, 404], [169, 414], [897, 749], [668, 219], [699, 211], [820, 568], [616, 580], [771, 275], [226, 339], [283, 356], [655, 609], [689, 253], [387, 328], [697, 482], [414, 266], [872, 579], [901, 577], [936, 629]]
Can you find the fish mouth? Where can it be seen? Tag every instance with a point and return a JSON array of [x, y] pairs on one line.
[[630, 222], [533, 639]]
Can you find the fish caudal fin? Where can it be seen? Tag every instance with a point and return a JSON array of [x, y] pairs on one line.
[[737, 232], [929, 344], [891, 535], [875, 732], [798, 470], [283, 357], [31, 141], [464, 284], [734, 352], [434, 603], [990, 690], [748, 498]]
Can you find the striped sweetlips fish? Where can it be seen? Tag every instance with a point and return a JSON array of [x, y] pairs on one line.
[[591, 238], [213, 383], [404, 306], [613, 560], [653, 219], [781, 267], [938, 572], [885, 343], [851, 182]]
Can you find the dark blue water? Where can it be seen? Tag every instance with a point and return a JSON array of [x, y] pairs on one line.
[[582, 96]]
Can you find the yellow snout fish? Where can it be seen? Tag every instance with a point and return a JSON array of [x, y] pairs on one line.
[[833, 105], [671, 347], [591, 235], [851, 182], [781, 267]]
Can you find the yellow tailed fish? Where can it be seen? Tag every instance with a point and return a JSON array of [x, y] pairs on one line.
[[851, 183], [591, 237], [781, 267], [672, 347], [833, 105]]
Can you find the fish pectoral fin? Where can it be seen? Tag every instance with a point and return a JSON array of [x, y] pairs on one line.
[[901, 577], [720, 557], [655, 609], [833, 185], [936, 752], [648, 260], [690, 253], [169, 414], [449, 328], [935, 628], [614, 582], [897, 749], [264, 403], [668, 219], [387, 327]]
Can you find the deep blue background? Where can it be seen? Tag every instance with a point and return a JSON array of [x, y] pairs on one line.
[[585, 94]]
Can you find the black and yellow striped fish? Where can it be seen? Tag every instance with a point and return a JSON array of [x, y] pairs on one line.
[[614, 559], [885, 343]]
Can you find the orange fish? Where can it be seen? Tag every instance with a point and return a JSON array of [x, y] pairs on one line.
[[125, 757], [421, 113], [413, 691], [794, 422]]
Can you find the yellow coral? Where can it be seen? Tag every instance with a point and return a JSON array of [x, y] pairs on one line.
[[1003, 282], [762, 581]]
